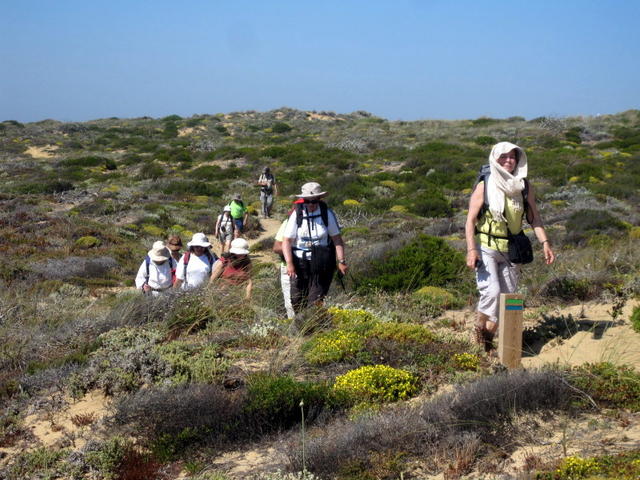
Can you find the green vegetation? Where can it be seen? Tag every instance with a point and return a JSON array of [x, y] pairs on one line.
[[192, 375]]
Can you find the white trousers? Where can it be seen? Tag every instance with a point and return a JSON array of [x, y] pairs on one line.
[[285, 282], [496, 275]]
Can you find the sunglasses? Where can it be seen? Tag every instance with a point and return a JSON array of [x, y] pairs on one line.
[[311, 201]]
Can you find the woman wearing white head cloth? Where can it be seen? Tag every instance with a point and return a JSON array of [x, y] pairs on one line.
[[486, 232]]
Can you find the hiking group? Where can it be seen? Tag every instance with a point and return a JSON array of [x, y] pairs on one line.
[[311, 248], [165, 268], [309, 242]]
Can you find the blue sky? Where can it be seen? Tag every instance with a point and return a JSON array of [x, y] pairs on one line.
[[402, 60]]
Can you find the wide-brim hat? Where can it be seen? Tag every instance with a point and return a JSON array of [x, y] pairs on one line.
[[237, 196], [311, 190], [226, 208], [174, 243], [239, 247], [158, 252], [199, 240]]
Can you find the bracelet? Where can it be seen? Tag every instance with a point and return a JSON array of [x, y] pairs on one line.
[[472, 250], [546, 241], [342, 262]]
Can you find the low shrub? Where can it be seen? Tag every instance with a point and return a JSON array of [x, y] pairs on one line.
[[274, 402], [192, 363], [635, 319], [623, 466], [568, 288], [425, 261], [335, 346], [124, 362], [467, 361], [43, 462], [376, 384], [583, 224], [402, 333], [203, 410], [483, 408], [87, 242], [608, 385], [440, 297]]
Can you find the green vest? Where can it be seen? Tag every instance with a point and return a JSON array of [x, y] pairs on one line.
[[492, 234], [237, 209]]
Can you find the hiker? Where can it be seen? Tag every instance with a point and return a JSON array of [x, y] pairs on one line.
[[509, 199], [239, 213], [268, 188], [155, 273], [285, 282], [225, 227], [311, 245], [174, 244], [234, 267], [195, 267]]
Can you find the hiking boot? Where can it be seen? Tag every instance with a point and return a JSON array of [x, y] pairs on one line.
[[488, 342]]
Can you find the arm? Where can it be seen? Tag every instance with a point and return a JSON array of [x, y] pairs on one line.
[[140, 280], [475, 204], [339, 243], [277, 247], [249, 284], [287, 251], [216, 230], [538, 228], [216, 271]]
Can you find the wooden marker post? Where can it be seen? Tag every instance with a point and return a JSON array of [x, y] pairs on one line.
[[510, 329]]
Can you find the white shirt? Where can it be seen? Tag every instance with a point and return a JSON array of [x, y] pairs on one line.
[[312, 231], [160, 276], [198, 271]]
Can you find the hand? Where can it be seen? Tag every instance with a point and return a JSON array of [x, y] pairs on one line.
[[291, 270], [146, 288], [343, 267], [549, 256], [472, 258]]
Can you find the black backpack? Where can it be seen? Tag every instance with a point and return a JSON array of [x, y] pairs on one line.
[[324, 213], [483, 176]]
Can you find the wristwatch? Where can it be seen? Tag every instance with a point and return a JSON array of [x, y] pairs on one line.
[[342, 262]]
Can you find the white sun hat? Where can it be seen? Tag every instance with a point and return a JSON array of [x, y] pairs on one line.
[[158, 252], [199, 240], [311, 190], [239, 247]]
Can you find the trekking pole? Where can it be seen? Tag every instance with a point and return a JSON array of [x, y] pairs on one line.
[[340, 276]]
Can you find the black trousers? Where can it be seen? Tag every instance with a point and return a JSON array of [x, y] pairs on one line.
[[313, 279]]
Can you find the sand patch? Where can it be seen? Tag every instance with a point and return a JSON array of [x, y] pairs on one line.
[[618, 344], [48, 151], [60, 425], [323, 118], [186, 131]]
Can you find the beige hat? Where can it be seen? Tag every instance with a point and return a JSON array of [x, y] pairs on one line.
[[239, 247], [199, 240], [311, 190], [159, 253]]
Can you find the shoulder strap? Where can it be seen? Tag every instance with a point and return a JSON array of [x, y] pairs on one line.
[[299, 214], [185, 262], [147, 261], [324, 213]]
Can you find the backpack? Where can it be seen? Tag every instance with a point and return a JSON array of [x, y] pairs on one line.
[[322, 258], [483, 176], [224, 221], [324, 213], [187, 255], [147, 262]]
